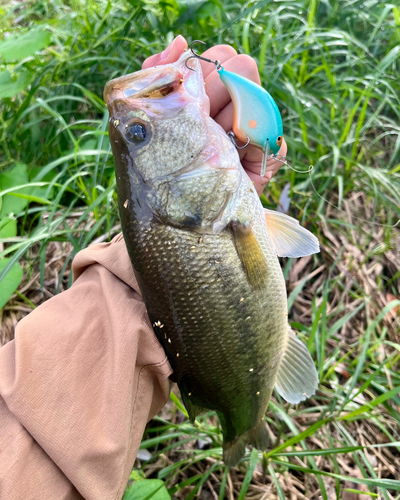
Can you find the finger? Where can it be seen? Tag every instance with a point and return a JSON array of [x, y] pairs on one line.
[[260, 182], [253, 168], [169, 55], [225, 117], [241, 64], [220, 53], [252, 159]]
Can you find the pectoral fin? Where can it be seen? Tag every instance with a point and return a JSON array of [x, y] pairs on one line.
[[297, 377], [288, 237], [250, 254]]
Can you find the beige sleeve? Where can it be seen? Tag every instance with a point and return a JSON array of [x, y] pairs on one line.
[[78, 384]]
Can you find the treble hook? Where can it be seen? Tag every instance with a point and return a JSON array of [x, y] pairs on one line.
[[217, 63], [232, 137]]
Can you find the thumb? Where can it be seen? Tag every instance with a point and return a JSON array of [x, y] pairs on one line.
[[169, 55]]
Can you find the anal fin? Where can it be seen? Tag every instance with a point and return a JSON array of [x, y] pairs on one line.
[[250, 254], [297, 378]]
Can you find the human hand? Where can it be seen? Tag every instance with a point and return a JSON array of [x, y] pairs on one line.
[[221, 106]]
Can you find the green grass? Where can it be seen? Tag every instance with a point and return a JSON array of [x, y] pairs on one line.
[[333, 68]]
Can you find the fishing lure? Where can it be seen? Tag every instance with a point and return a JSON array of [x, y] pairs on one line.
[[256, 117]]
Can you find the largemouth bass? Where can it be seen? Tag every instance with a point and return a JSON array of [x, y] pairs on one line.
[[204, 252]]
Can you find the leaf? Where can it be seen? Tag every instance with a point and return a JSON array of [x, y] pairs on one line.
[[21, 191], [249, 474], [329, 451], [276, 482], [299, 437], [10, 282], [9, 179], [8, 228], [372, 404], [147, 489], [10, 85], [392, 484], [137, 475], [179, 404], [295, 292], [17, 48]]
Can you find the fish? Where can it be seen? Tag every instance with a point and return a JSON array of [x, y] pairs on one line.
[[205, 254]]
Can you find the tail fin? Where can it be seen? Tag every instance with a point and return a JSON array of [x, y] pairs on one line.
[[258, 437], [234, 450]]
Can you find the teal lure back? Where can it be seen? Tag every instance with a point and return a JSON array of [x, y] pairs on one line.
[[256, 116]]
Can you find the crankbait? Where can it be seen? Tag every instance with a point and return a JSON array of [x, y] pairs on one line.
[[256, 117]]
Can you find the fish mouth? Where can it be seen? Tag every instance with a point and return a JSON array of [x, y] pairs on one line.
[[157, 89], [151, 83]]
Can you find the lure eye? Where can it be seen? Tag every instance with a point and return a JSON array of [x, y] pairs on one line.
[[279, 141], [136, 132]]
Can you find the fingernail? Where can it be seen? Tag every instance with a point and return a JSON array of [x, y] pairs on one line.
[[168, 50]]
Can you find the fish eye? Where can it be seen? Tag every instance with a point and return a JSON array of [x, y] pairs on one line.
[[135, 132], [279, 141]]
